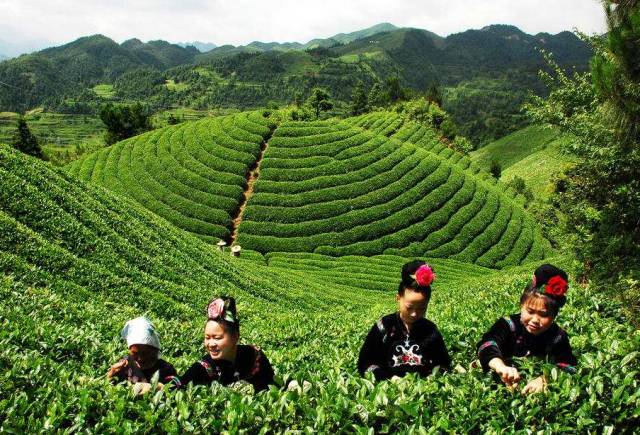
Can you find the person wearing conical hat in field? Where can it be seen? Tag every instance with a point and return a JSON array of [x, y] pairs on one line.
[[143, 360], [405, 341], [533, 332]]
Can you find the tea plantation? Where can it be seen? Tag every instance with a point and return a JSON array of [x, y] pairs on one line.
[[78, 260], [368, 186], [191, 174]]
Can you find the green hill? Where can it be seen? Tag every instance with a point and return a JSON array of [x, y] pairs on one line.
[[514, 147], [485, 72], [78, 260], [323, 187], [70, 71], [191, 174], [533, 154]]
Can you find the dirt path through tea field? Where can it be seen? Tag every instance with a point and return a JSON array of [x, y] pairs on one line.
[[252, 177]]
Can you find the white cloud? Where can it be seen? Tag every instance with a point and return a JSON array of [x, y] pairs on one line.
[[242, 21]]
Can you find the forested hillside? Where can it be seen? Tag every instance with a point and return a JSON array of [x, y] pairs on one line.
[[493, 68]]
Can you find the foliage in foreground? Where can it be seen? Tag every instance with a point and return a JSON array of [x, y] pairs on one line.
[[52, 373], [77, 261]]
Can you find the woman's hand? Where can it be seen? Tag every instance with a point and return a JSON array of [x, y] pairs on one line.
[[116, 368], [140, 388], [538, 385], [509, 375]]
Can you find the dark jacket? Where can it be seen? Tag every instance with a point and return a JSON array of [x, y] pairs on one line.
[[508, 338], [390, 350], [251, 365], [131, 372]]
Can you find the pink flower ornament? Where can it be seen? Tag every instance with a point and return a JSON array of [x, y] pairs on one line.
[[425, 275], [215, 309]]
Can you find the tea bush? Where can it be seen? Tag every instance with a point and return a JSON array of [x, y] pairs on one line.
[[191, 174], [347, 191]]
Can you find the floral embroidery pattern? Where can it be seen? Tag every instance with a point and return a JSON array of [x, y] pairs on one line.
[[408, 355]]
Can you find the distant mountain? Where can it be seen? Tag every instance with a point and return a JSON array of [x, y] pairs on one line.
[[489, 71], [345, 38], [268, 46], [202, 47], [161, 54], [3, 57], [339, 39]]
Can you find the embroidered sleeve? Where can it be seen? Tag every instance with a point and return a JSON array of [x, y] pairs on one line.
[[562, 355], [261, 373], [371, 358], [495, 343]]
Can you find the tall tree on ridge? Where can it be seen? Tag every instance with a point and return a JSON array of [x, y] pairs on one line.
[[320, 100], [359, 99], [25, 141]]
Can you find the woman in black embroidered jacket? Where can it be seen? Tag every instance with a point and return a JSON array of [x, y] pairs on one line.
[[226, 361], [406, 342], [532, 332]]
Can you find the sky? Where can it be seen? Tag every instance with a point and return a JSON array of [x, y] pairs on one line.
[[239, 22]]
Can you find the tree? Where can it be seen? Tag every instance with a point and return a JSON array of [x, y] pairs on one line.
[[434, 95], [378, 97], [359, 100], [172, 119], [394, 89], [600, 196], [124, 121], [495, 168], [25, 141], [319, 100], [462, 145], [518, 184]]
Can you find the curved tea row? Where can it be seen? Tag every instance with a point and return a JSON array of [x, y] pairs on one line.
[[334, 189], [192, 174]]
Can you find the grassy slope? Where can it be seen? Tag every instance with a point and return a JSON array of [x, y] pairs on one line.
[[77, 261], [61, 136], [533, 154], [540, 167], [514, 147]]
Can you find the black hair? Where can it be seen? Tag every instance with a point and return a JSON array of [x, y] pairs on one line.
[[541, 276], [232, 327], [408, 280]]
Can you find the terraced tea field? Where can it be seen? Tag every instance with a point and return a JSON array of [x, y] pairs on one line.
[[368, 186], [191, 174], [78, 260], [61, 136]]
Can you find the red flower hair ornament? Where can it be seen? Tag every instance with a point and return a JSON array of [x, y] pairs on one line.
[[424, 276], [556, 286]]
